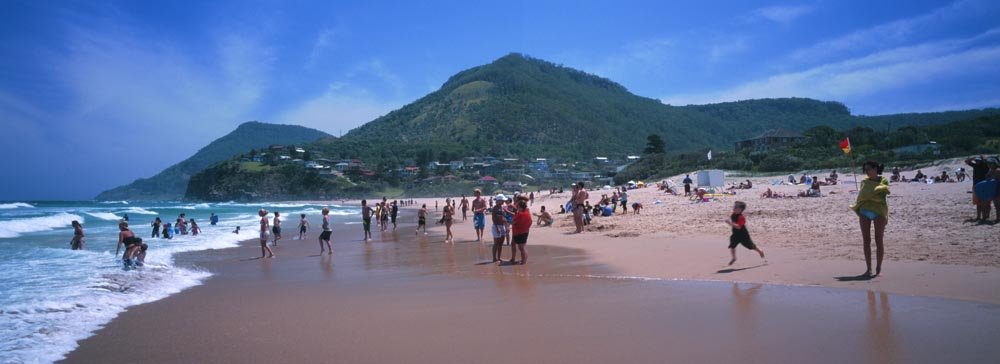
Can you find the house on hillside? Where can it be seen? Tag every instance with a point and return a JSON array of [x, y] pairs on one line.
[[488, 180], [512, 186], [771, 139]]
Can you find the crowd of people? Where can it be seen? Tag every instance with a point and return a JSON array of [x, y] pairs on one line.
[[511, 218]]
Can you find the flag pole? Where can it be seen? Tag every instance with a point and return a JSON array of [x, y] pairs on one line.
[[854, 168]]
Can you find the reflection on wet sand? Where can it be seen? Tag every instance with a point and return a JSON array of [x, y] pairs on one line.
[[880, 335]]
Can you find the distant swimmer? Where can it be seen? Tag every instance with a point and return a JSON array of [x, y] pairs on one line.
[[214, 219], [156, 227], [304, 224], [77, 242], [195, 230], [324, 237], [264, 231], [276, 228], [237, 231]]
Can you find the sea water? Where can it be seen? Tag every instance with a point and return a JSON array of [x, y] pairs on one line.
[[52, 296]]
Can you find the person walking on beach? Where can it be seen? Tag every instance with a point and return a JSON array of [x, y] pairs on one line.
[[156, 227], [624, 200], [687, 185], [579, 199], [448, 214], [385, 216], [465, 208], [276, 228], [499, 227], [871, 206], [304, 224], [366, 219], [393, 212], [519, 230], [740, 235], [77, 242], [324, 237], [422, 219], [264, 230], [478, 214]]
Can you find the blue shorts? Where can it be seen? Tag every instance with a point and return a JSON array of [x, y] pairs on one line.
[[479, 221], [869, 214]]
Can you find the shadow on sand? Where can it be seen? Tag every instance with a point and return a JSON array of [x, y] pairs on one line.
[[858, 278], [731, 270]]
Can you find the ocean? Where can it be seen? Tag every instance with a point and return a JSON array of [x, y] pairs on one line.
[[53, 296]]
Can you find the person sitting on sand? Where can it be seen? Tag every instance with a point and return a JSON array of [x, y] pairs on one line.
[[77, 242], [544, 218], [920, 177], [961, 175], [896, 177], [802, 180], [871, 206], [791, 180], [740, 235], [832, 180], [636, 206], [700, 195]]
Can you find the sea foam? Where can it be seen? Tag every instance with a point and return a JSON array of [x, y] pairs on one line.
[[16, 227], [15, 205]]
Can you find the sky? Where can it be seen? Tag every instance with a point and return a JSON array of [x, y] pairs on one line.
[[94, 94]]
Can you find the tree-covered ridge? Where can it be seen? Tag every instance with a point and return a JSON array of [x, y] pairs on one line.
[[518, 106], [908, 145], [172, 182]]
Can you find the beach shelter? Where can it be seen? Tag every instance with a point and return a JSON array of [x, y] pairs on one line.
[[711, 178], [640, 183]]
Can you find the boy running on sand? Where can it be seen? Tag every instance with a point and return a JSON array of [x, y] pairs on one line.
[[740, 234], [304, 224], [366, 219], [422, 219]]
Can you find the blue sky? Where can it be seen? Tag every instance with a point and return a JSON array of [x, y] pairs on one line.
[[95, 94]]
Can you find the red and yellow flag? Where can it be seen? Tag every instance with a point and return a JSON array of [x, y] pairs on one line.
[[845, 145]]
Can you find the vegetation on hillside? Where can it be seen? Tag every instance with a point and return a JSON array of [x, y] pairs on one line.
[[172, 182], [907, 145]]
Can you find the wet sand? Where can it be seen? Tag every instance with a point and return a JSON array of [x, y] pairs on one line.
[[406, 299]]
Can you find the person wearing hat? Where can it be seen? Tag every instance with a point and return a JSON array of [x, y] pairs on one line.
[[500, 227]]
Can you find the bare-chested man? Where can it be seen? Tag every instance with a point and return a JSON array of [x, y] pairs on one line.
[[479, 214], [465, 208]]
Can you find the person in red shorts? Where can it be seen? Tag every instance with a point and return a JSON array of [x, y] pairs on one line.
[[519, 230]]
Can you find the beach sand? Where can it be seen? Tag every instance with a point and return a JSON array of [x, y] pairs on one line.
[[582, 298]]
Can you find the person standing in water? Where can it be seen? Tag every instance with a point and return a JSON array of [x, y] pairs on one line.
[[448, 215], [132, 244], [195, 230], [478, 214], [366, 219], [465, 208], [393, 212], [156, 227], [499, 227], [519, 230], [324, 237], [77, 242], [264, 230], [871, 206], [276, 228], [304, 224], [214, 219], [422, 219]]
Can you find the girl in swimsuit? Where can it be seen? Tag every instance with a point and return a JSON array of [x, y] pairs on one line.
[[448, 211], [263, 234]]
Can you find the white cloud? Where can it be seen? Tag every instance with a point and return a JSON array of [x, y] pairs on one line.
[[892, 69], [339, 109], [375, 68], [894, 33], [782, 14], [324, 43]]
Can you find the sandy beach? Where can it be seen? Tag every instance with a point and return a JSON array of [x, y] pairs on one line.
[[624, 289]]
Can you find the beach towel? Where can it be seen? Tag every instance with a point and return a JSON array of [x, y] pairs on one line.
[[872, 196]]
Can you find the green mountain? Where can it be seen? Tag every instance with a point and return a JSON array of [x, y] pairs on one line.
[[519, 106], [172, 182]]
